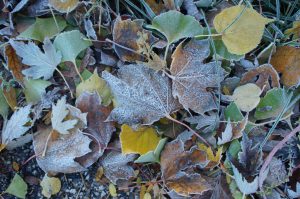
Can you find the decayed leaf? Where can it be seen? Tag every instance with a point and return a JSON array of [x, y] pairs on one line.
[[142, 95], [17, 187], [13, 63], [139, 141], [61, 153], [246, 97], [241, 28], [70, 44], [174, 26], [59, 113], [264, 73], [100, 130], [132, 30], [152, 156], [95, 83], [278, 174], [177, 164], [192, 77], [42, 64], [116, 168], [16, 125], [207, 123], [44, 27], [34, 89], [286, 60], [50, 186], [64, 6]]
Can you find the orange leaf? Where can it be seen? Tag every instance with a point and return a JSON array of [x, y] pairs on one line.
[[286, 60], [13, 63]]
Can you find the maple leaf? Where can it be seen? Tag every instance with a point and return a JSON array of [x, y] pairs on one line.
[[42, 64], [142, 95], [191, 77], [59, 112]]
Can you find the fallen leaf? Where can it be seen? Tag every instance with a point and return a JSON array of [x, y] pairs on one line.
[[191, 77], [214, 159], [142, 95], [207, 123], [139, 141], [241, 28], [16, 126], [44, 28], [246, 97], [64, 6], [156, 7], [59, 113], [42, 64], [13, 63], [295, 30], [177, 164], [95, 83], [170, 4], [50, 186], [286, 61], [100, 130], [17, 187], [4, 107], [175, 26], [294, 194], [90, 31], [152, 156], [61, 153], [112, 190], [34, 89], [70, 44], [10, 94], [279, 174]]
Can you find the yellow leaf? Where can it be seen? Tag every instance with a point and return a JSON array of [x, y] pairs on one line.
[[64, 6], [50, 186], [112, 190], [95, 83], [141, 141], [147, 196], [241, 28], [295, 30], [214, 160]]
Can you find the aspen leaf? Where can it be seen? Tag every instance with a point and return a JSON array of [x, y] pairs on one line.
[[152, 156], [34, 89], [241, 28], [112, 190], [64, 6], [50, 186], [17, 187], [246, 97], [139, 141]]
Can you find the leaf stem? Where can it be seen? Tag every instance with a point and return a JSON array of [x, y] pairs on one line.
[[166, 52], [65, 81], [209, 35], [77, 71], [46, 144]]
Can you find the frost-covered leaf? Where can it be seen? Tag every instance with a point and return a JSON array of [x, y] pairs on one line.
[[59, 113], [90, 32], [70, 44], [191, 77], [174, 26], [64, 6], [226, 135], [142, 95], [17, 125], [50, 186], [278, 174], [44, 27], [116, 168], [233, 113], [246, 97], [152, 156], [42, 64], [13, 63], [294, 194], [205, 122], [17, 187], [62, 153], [241, 27], [139, 141], [213, 158], [34, 89]]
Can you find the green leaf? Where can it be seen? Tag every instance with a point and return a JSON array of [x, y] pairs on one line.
[[44, 27], [34, 89], [4, 107], [174, 26], [233, 112], [271, 105], [17, 187], [70, 44], [222, 51], [153, 156]]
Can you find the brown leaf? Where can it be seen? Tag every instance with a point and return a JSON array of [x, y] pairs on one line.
[[11, 97], [286, 60], [61, 153], [170, 4], [13, 63], [99, 130], [177, 165], [264, 73], [192, 77], [157, 7], [125, 33]]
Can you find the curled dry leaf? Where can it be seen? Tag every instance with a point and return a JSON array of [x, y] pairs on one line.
[[241, 28], [62, 152], [192, 77], [13, 63], [64, 6], [100, 131], [286, 60], [264, 73], [177, 165], [142, 95]]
